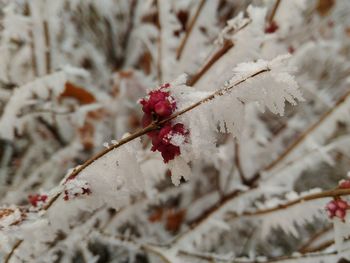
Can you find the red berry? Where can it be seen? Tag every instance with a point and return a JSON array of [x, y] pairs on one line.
[[272, 27], [156, 96], [163, 108], [164, 132], [344, 184], [342, 204], [146, 107], [170, 152], [332, 206], [35, 199]]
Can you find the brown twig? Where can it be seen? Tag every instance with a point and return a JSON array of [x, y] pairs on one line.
[[189, 29], [198, 221], [32, 46], [9, 255], [216, 56], [306, 246], [47, 44], [213, 258], [238, 164], [325, 194], [274, 10], [228, 44], [159, 59]]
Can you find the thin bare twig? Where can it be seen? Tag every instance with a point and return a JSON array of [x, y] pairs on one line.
[[274, 10], [8, 257], [244, 180], [325, 194], [306, 246], [159, 59], [227, 45], [47, 51], [189, 29], [214, 258], [216, 56], [32, 46]]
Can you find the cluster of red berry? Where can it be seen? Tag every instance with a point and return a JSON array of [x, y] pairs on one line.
[[36, 199], [158, 106], [338, 207]]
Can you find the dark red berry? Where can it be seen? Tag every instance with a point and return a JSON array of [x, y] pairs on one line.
[[344, 184], [163, 108], [35, 199], [272, 27]]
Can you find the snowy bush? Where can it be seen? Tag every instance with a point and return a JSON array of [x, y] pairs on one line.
[[174, 131]]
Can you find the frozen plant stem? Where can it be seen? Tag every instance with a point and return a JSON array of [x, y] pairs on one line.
[[239, 165], [274, 10], [153, 126], [47, 51], [232, 216], [159, 60], [310, 197], [32, 45], [189, 29], [227, 45]]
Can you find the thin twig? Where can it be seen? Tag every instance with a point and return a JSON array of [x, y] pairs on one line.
[[306, 246], [216, 56], [239, 165], [325, 194], [320, 247], [159, 59], [32, 45], [47, 51], [189, 29], [274, 10], [8, 257], [215, 258], [227, 45]]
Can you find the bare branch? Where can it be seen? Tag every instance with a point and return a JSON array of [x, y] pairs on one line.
[[189, 30]]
